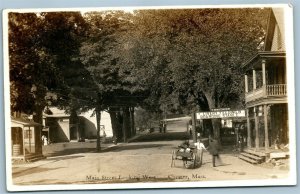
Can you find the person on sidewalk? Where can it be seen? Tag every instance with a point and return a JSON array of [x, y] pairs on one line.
[[241, 143], [200, 148], [160, 127], [214, 151], [164, 127]]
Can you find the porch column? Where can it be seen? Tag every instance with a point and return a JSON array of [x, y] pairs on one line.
[[266, 127], [248, 129], [256, 128], [254, 79], [23, 140], [29, 135], [246, 83], [263, 66]]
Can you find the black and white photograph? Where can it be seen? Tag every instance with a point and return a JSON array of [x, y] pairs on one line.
[[149, 97]]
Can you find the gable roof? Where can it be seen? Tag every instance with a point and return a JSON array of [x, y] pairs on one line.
[[24, 122], [56, 113], [274, 40]]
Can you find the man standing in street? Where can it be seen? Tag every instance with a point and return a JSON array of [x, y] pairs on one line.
[[214, 151]]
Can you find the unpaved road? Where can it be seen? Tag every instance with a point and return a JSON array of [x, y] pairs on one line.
[[134, 162]]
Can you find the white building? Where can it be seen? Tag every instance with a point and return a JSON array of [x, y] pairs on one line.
[[59, 129]]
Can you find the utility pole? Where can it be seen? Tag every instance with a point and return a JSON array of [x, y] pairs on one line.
[[194, 127]]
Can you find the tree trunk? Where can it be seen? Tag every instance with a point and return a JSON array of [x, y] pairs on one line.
[[194, 127], [208, 127], [119, 124], [126, 123], [114, 123], [216, 123], [133, 132], [81, 129], [39, 106], [98, 117], [74, 124], [38, 118], [204, 106]]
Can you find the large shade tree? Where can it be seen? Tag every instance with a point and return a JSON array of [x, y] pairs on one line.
[[162, 60], [209, 49], [118, 93], [192, 58], [43, 67]]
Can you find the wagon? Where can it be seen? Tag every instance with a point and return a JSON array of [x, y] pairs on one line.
[[187, 155]]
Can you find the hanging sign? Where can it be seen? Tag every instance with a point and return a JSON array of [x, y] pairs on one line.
[[221, 114]]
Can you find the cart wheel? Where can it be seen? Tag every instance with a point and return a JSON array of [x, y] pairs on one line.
[[198, 159], [173, 158], [194, 160]]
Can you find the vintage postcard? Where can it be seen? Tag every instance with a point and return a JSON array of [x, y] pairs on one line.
[[149, 97]]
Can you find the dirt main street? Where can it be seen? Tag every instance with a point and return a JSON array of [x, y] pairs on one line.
[[133, 162]]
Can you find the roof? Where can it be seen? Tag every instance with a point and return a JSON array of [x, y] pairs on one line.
[[256, 59], [24, 122], [56, 113], [178, 119], [274, 41]]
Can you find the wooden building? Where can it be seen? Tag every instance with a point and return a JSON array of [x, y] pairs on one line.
[[266, 89], [25, 139], [61, 128]]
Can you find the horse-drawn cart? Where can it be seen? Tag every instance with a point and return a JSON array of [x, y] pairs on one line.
[[187, 155]]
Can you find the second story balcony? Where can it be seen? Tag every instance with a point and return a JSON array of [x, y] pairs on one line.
[[265, 77], [274, 90]]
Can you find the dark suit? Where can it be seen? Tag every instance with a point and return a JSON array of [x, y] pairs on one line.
[[214, 150]]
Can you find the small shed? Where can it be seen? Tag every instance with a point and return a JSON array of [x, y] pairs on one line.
[[25, 139]]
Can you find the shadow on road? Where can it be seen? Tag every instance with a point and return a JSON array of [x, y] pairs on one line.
[[69, 151], [133, 147], [63, 157], [40, 182], [29, 171], [162, 137]]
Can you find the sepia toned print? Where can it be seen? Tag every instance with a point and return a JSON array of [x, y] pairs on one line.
[[149, 97]]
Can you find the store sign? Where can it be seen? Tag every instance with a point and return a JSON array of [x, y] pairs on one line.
[[221, 114]]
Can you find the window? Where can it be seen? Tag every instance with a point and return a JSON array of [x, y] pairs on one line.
[[28, 134]]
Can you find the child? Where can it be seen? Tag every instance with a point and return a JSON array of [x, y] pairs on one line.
[[200, 147]]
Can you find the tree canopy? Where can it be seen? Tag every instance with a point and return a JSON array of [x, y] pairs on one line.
[[169, 60]]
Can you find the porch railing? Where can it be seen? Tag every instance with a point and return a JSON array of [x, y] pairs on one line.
[[255, 94], [276, 90], [267, 90]]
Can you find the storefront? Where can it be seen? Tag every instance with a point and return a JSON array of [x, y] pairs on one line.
[[266, 89]]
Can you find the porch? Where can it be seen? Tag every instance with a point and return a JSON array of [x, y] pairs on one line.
[[266, 91], [265, 76], [26, 140]]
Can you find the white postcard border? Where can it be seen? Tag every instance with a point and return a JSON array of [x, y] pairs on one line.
[[291, 180]]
